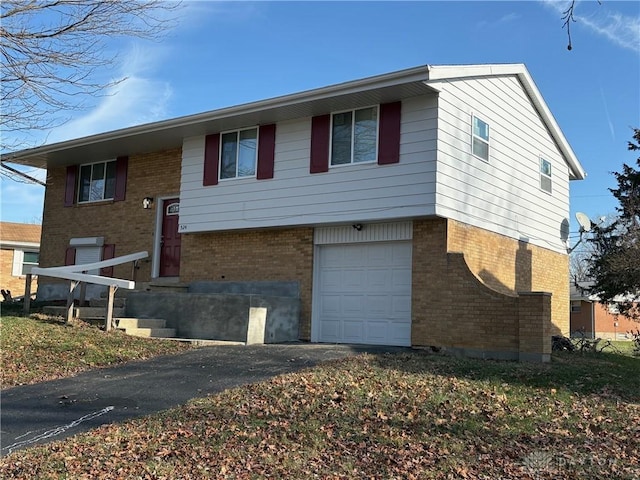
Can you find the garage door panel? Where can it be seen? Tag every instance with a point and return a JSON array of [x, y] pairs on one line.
[[330, 305], [401, 254], [399, 331], [330, 330], [352, 305], [400, 278], [365, 293], [400, 306], [353, 279], [353, 331], [377, 305]]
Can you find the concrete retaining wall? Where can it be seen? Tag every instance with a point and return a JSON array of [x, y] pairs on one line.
[[218, 316]]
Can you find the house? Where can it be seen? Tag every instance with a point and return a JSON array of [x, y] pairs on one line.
[[19, 251], [594, 319], [424, 207]]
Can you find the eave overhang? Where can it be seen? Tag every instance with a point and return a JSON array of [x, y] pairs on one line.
[[168, 134], [384, 88]]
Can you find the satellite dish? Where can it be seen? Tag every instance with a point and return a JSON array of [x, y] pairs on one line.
[[584, 221]]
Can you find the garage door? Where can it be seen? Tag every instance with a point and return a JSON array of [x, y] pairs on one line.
[[364, 293]]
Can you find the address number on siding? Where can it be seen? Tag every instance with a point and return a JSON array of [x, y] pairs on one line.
[[182, 227]]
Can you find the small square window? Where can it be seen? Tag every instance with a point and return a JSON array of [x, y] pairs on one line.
[[545, 175], [480, 138]]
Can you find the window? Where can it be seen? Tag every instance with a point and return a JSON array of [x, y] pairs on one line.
[[354, 136], [239, 153], [23, 261], [545, 175], [480, 139], [97, 182]]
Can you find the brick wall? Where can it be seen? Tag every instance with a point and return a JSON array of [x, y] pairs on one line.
[[7, 281], [125, 224], [453, 306], [509, 266], [605, 322], [257, 255]]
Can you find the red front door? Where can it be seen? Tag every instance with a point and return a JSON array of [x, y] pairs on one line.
[[170, 240]]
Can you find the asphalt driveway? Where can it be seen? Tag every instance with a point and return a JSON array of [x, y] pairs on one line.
[[48, 411]]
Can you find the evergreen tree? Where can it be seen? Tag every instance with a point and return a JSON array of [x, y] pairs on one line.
[[615, 263]]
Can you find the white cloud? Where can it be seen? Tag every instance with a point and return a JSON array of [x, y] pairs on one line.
[[619, 29], [507, 18], [138, 99]]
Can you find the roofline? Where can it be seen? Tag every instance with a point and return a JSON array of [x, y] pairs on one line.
[[16, 244], [425, 73], [403, 76], [450, 72]]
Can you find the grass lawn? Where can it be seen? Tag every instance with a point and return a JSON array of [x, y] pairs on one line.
[[39, 348], [407, 416]]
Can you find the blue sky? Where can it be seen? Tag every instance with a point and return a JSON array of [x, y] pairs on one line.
[[226, 53]]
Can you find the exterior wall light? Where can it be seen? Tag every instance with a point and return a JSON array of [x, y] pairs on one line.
[[147, 202]]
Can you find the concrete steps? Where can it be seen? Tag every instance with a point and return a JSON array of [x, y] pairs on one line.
[[145, 327], [96, 313]]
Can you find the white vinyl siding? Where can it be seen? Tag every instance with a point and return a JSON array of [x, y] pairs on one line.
[[504, 195], [365, 192]]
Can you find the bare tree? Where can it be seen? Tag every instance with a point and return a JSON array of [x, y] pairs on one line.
[[53, 55], [569, 18]]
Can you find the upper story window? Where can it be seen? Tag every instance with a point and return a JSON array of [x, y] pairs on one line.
[[97, 182], [545, 175], [238, 153], [480, 139], [354, 136]]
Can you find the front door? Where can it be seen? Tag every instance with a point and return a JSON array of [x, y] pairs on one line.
[[170, 239]]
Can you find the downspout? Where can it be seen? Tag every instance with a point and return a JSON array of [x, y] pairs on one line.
[[593, 320]]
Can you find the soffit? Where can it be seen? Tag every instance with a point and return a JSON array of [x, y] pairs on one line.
[[170, 134]]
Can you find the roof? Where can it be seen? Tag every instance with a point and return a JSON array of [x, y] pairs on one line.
[[580, 291], [353, 94], [20, 233]]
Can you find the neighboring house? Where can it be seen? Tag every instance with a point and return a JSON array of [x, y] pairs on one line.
[[411, 207], [593, 319], [19, 251]]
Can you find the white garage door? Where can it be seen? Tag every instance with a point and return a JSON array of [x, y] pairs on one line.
[[364, 293]]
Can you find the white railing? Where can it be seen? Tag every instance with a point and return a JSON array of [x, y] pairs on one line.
[[74, 273]]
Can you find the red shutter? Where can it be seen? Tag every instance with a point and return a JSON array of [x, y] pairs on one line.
[[320, 143], [108, 252], [121, 178], [70, 256], [70, 185], [211, 157], [266, 151], [389, 136]]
